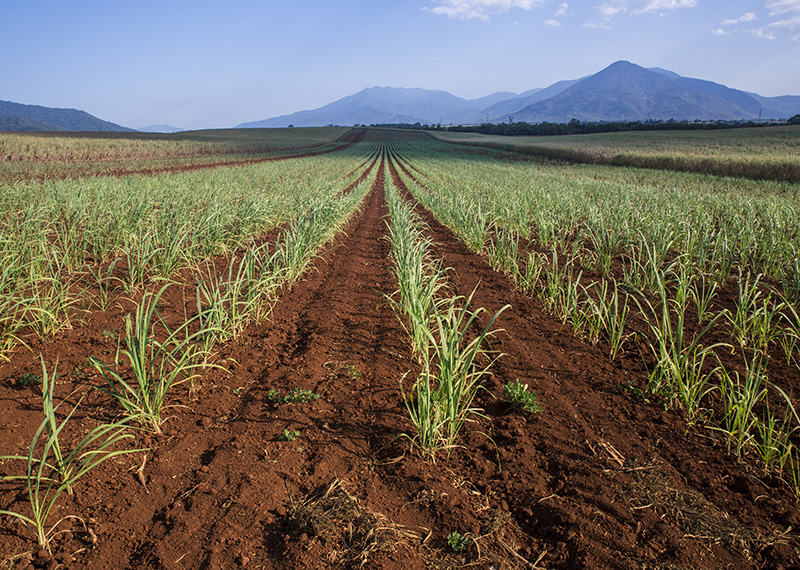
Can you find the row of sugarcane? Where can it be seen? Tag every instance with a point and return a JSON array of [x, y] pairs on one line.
[[661, 273], [154, 357]]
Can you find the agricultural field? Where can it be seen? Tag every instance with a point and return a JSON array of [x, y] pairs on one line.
[[766, 153], [27, 156], [376, 348]]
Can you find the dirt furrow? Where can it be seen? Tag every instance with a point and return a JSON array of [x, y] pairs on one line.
[[332, 335]]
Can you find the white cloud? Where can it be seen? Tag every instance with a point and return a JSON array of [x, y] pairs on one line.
[[483, 9], [663, 5], [746, 17], [612, 8], [552, 23], [777, 7], [789, 28], [608, 10], [562, 10]]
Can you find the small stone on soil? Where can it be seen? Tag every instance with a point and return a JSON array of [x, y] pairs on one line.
[[42, 555]]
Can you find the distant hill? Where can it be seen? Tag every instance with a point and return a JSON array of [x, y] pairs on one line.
[[779, 107], [621, 92], [382, 105], [504, 109], [738, 98], [22, 123], [494, 98], [19, 117], [159, 129], [758, 105]]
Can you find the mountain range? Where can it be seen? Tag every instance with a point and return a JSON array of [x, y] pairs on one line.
[[621, 92]]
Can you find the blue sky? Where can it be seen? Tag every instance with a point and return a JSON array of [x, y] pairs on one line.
[[212, 64]]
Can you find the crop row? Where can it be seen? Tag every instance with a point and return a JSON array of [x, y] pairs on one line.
[[44, 156], [84, 147], [722, 224], [440, 400], [768, 155], [689, 275], [70, 246], [155, 355]]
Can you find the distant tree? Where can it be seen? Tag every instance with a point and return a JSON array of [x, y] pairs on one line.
[[794, 120]]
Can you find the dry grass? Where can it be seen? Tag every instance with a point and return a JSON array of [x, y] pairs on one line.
[[698, 517], [349, 531]]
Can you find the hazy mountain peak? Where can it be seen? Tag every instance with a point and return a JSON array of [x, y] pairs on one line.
[[159, 129], [624, 91]]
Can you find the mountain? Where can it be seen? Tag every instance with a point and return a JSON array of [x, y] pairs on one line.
[[384, 105], [759, 106], [494, 98], [621, 92], [779, 107], [627, 92], [19, 117], [159, 129], [22, 123], [738, 98], [503, 110]]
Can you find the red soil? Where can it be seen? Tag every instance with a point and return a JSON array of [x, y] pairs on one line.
[[597, 479]]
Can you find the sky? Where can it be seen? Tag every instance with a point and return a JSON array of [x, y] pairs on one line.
[[211, 64]]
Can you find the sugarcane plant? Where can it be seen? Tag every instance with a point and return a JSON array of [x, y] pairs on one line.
[[155, 366], [52, 469]]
